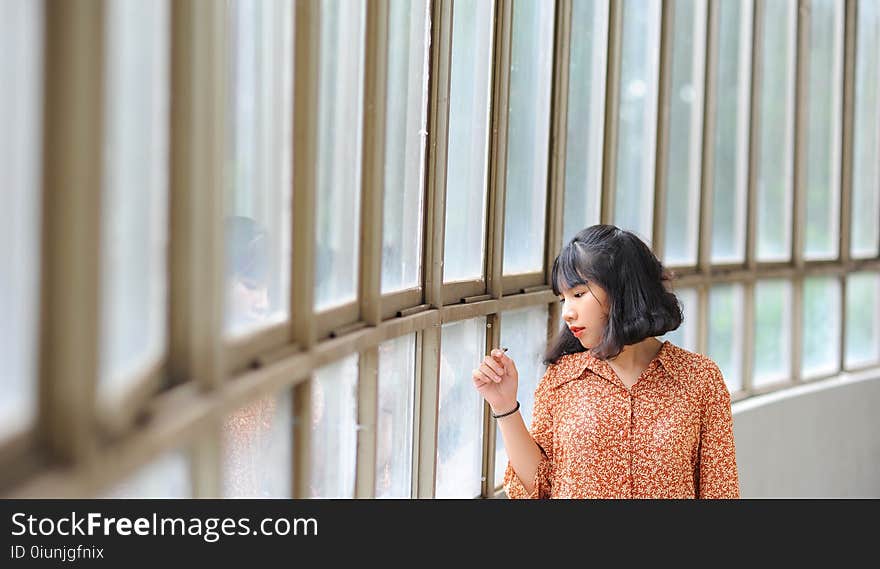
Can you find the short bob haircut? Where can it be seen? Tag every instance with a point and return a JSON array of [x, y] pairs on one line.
[[640, 306]]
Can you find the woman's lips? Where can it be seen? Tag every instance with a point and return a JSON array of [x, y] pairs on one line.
[[576, 331]]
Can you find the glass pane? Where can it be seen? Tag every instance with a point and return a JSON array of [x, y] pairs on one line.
[[776, 161], [821, 326], [135, 193], [334, 429], [405, 131], [862, 319], [585, 132], [258, 191], [257, 449], [637, 140], [731, 143], [528, 136], [460, 418], [166, 477], [340, 96], [726, 330], [685, 133], [468, 145], [824, 102], [686, 335], [866, 148], [772, 332], [21, 71], [524, 333], [394, 423]]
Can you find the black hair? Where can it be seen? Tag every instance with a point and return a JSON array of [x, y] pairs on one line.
[[246, 249], [639, 304]]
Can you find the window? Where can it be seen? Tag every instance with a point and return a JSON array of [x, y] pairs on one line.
[[21, 70], [776, 162], [468, 144], [685, 133], [257, 461], [862, 319], [524, 333], [640, 65], [726, 330], [528, 136], [258, 192], [340, 96], [460, 416], [334, 429], [585, 130], [394, 422], [731, 143], [821, 326], [405, 131], [134, 237], [772, 332], [166, 477], [825, 103]]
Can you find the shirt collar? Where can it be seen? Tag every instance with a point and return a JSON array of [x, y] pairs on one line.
[[572, 366]]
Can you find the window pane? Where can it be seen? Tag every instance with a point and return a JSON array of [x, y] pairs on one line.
[[258, 191], [524, 332], [686, 335], [468, 145], [824, 103], [862, 319], [866, 148], [731, 144], [405, 131], [585, 131], [135, 193], [640, 64], [772, 332], [528, 136], [334, 429], [21, 71], [257, 449], [821, 326], [394, 424], [776, 162], [726, 330], [685, 133], [460, 418], [340, 96], [166, 477]]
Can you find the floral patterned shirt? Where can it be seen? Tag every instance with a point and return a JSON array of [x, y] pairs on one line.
[[668, 436]]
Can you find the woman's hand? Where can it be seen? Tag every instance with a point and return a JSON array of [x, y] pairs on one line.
[[497, 380]]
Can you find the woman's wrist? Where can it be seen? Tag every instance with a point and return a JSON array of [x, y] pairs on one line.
[[506, 411]]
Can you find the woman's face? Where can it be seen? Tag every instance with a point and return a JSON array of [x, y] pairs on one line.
[[585, 311]]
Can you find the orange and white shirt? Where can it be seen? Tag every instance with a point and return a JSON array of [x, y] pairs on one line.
[[668, 436]]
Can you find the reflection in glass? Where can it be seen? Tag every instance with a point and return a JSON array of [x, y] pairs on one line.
[[468, 145], [731, 144], [134, 228], [334, 429], [866, 147], [405, 131], [460, 415], [528, 136], [340, 96], [585, 130], [686, 334], [257, 446], [685, 133], [524, 333], [824, 130], [640, 65], [21, 72], [772, 332], [776, 161], [862, 319], [258, 190], [821, 326], [726, 332], [166, 477], [394, 422]]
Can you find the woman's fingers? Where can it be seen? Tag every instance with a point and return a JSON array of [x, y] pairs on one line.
[[494, 365], [491, 373], [480, 378]]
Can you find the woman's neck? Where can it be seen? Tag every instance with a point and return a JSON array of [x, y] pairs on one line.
[[636, 357]]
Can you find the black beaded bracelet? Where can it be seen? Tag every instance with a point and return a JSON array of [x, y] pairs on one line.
[[515, 409]]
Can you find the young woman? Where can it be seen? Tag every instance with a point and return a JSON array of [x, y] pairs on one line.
[[618, 414]]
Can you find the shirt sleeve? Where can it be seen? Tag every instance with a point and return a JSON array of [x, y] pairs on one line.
[[716, 468], [542, 433]]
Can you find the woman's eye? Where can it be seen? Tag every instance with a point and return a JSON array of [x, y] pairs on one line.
[[578, 295]]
